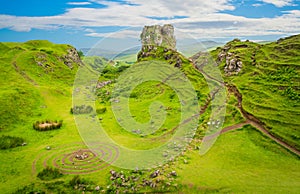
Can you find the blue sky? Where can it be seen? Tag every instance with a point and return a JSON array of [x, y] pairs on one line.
[[82, 23]]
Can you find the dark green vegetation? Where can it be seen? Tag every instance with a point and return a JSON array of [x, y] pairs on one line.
[[49, 173], [7, 142], [76, 185], [81, 109], [38, 77]]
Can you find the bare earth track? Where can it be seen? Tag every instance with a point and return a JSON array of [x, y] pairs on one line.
[[250, 119]]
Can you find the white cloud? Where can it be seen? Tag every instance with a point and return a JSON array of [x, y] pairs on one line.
[[120, 34], [279, 3], [257, 5], [203, 19], [78, 3], [89, 30]]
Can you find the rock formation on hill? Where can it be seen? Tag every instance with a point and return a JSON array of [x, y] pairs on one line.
[[159, 42], [233, 64], [72, 58], [159, 36]]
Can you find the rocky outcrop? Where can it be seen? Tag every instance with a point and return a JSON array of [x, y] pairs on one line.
[[159, 42], [233, 64], [159, 36], [102, 84], [72, 57], [169, 55]]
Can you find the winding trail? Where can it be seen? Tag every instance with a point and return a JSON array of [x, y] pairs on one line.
[[250, 119], [255, 122], [22, 73]]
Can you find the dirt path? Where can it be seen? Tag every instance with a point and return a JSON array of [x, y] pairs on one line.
[[250, 119], [22, 73]]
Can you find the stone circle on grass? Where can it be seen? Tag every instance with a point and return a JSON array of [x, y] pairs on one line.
[[76, 158]]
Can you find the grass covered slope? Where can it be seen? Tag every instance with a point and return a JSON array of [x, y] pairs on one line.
[[39, 75], [36, 83], [241, 161], [143, 96], [269, 82], [28, 69]]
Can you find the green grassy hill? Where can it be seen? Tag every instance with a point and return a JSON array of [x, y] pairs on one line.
[[37, 82], [36, 85], [29, 71], [269, 83]]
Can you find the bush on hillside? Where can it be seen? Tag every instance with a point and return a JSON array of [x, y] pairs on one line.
[[7, 142], [49, 173], [101, 110], [82, 184], [83, 109]]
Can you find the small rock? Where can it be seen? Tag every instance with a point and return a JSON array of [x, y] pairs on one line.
[[173, 173], [113, 173], [97, 188], [155, 174]]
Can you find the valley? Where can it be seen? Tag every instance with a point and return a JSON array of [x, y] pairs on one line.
[[243, 100]]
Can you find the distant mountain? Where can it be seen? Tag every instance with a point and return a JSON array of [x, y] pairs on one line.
[[187, 50], [191, 49], [109, 54]]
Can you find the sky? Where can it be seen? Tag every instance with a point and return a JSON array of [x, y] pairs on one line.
[[83, 23]]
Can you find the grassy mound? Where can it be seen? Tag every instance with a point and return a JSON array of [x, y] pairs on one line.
[[27, 70], [269, 83]]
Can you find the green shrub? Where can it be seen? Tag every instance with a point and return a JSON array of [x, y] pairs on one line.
[[81, 184], [291, 93], [133, 95], [122, 68], [172, 95], [29, 189], [80, 54], [7, 142], [83, 109], [57, 187], [49, 173], [101, 110]]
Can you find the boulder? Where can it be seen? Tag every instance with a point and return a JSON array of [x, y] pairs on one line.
[[233, 65]]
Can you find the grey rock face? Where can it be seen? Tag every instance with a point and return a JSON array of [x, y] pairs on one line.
[[159, 36], [72, 57], [233, 64]]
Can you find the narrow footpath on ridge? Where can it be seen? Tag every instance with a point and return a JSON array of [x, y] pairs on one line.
[[250, 119]]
